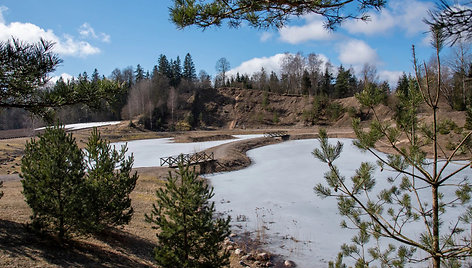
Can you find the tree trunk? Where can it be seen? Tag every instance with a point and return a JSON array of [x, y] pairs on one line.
[[436, 258]]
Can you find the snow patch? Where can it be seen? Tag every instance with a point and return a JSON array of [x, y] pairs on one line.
[[86, 125]]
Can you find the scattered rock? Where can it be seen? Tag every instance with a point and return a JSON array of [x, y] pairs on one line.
[[239, 252], [233, 235], [257, 263], [247, 257], [228, 241], [243, 264], [230, 247], [262, 256], [268, 264], [289, 263]]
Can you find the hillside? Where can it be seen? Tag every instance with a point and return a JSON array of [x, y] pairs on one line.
[[234, 108]]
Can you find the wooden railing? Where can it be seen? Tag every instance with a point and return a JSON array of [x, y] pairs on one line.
[[276, 134], [187, 159]]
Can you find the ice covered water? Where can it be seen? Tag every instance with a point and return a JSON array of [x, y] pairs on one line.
[[148, 152], [274, 199]]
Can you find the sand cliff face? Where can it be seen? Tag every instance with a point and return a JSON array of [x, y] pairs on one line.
[[234, 108]]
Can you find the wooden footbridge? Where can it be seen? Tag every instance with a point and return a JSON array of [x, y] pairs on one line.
[[277, 134], [203, 159]]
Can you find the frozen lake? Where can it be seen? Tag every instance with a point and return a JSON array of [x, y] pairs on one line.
[[274, 199], [148, 152]]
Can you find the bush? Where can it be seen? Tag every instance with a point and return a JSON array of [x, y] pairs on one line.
[[468, 118], [445, 126], [189, 235], [183, 126], [313, 116], [308, 117], [265, 100], [334, 111], [275, 118], [451, 145], [53, 182], [352, 111]]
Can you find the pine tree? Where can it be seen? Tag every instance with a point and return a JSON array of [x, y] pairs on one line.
[[274, 83], [189, 72], [155, 72], [326, 83], [163, 66], [402, 85], [419, 194], [139, 73], [53, 183], [95, 75], [176, 72], [306, 83], [341, 87], [109, 182], [188, 236], [263, 14]]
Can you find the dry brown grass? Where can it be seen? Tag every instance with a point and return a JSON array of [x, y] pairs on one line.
[[129, 246]]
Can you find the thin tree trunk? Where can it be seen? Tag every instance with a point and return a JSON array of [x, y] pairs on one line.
[[436, 258]]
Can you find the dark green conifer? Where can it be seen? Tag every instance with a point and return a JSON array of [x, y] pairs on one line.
[[53, 183], [139, 73], [189, 72], [189, 235], [110, 183], [163, 66]]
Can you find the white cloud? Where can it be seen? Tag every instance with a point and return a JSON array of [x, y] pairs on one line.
[[270, 64], [391, 77], [2, 9], [356, 52], [254, 65], [313, 30], [405, 14], [65, 76], [266, 36], [87, 31], [28, 32], [378, 23], [412, 15]]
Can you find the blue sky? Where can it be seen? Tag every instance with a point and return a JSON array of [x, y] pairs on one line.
[[109, 34]]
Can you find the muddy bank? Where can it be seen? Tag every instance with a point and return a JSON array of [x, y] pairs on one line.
[[232, 156]]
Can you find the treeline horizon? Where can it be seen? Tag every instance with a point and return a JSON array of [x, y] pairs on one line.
[[157, 96]]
